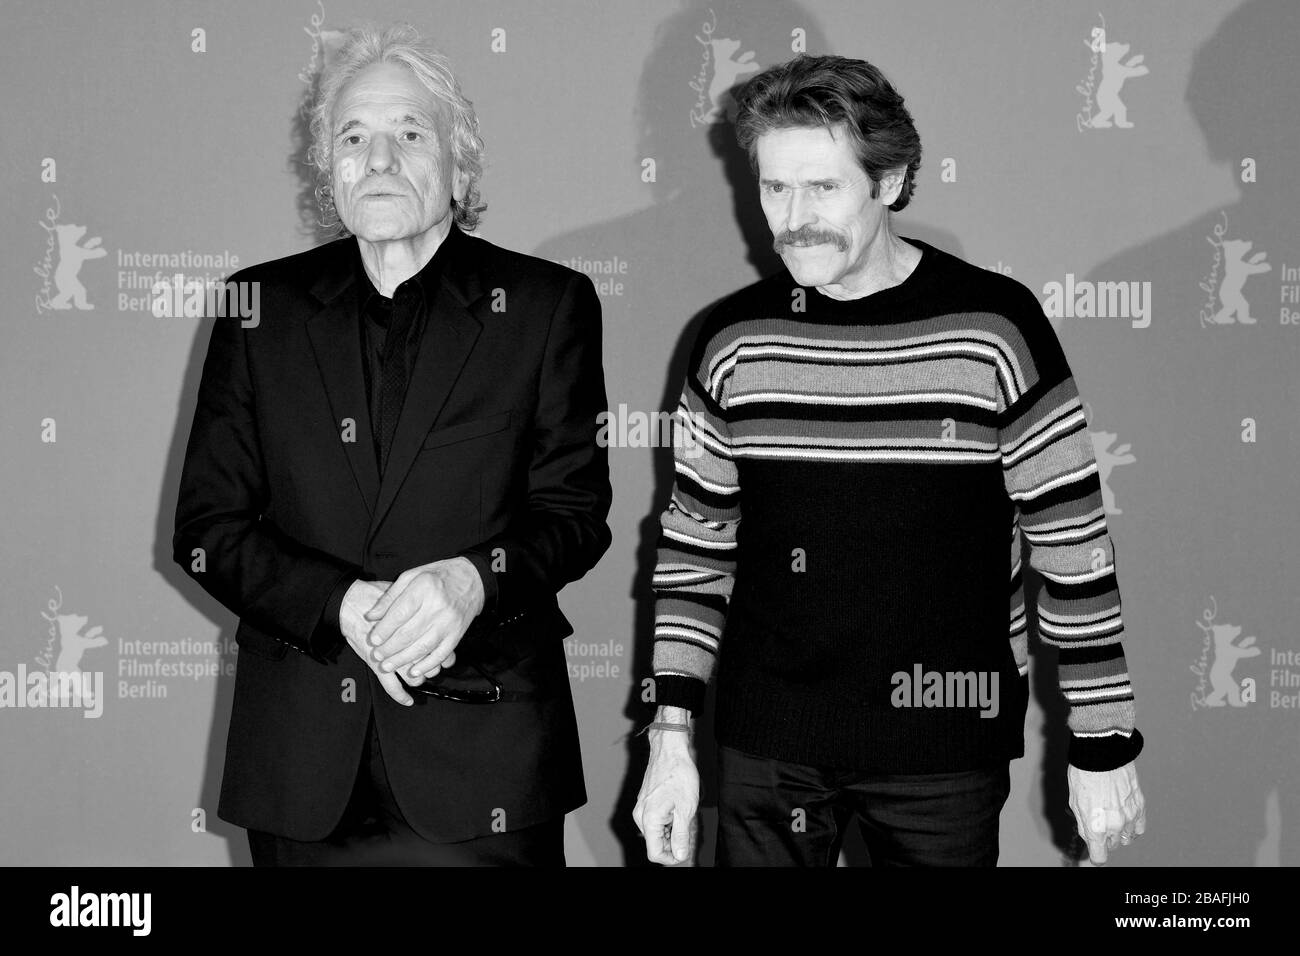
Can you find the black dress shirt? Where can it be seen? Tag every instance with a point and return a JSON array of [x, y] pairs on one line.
[[377, 314]]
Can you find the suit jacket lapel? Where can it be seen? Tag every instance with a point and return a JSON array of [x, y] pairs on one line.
[[335, 340], [450, 331]]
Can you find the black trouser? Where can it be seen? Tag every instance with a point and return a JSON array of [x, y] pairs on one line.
[[374, 833], [776, 813]]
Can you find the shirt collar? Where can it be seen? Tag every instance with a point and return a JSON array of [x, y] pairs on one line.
[[426, 280]]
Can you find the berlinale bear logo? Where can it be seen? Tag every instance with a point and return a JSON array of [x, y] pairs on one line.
[[1220, 639]]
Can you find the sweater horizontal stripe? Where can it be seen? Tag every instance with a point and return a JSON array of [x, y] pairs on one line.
[[849, 517]]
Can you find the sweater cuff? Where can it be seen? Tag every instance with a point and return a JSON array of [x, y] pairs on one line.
[[677, 690], [327, 639], [490, 587], [1099, 754]]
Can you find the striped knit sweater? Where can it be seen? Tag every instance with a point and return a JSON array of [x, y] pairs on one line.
[[851, 477]]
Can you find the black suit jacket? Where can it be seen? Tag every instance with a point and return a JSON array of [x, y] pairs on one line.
[[495, 457]]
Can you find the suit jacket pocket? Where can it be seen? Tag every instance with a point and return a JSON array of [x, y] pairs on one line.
[[256, 642], [465, 430]]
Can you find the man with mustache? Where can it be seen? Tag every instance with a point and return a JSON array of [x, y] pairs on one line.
[[388, 479], [882, 423]]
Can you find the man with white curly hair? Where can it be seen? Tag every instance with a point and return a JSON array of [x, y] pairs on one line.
[[389, 477]]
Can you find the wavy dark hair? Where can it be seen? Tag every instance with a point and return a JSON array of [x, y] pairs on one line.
[[834, 91]]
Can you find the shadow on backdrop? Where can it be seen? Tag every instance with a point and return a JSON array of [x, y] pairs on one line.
[[1227, 777]]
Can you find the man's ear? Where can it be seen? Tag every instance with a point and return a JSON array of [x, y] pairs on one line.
[[891, 184], [459, 185]]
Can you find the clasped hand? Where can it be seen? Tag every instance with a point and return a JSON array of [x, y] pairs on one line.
[[411, 627]]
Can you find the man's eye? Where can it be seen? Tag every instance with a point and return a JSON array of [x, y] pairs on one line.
[[414, 136], [775, 187], [827, 187], [349, 139]]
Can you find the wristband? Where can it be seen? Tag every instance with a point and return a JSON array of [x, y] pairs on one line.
[[665, 725]]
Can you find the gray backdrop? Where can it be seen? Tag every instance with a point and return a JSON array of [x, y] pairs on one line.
[[131, 135]]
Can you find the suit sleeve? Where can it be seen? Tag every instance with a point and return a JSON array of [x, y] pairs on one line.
[[222, 537], [561, 533], [328, 637]]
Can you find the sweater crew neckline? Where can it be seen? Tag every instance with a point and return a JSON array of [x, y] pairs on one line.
[[869, 305]]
